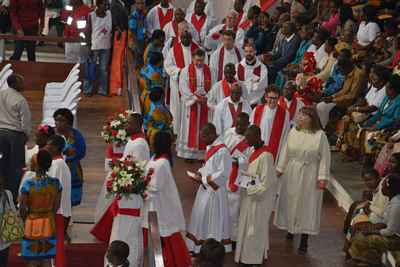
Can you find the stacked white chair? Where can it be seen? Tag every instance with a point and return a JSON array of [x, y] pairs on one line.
[[4, 74], [64, 94]]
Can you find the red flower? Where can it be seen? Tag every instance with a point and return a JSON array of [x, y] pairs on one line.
[[109, 184], [113, 175], [114, 133]]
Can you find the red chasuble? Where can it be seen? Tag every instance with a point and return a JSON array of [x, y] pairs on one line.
[[221, 61], [194, 136], [241, 146], [164, 19]]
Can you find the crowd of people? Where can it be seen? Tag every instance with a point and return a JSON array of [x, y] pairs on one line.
[[261, 97]]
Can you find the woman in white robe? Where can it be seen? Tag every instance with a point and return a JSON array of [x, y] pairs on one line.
[[304, 168]]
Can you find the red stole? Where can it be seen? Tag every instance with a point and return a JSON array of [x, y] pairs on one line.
[[239, 19], [226, 88], [198, 23], [164, 19], [241, 71], [174, 25], [221, 61], [245, 24], [241, 146], [266, 4], [178, 53], [235, 113], [217, 35], [291, 109], [277, 126], [212, 151], [110, 153], [194, 112], [256, 153]]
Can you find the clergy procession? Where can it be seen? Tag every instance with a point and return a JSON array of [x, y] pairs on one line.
[[254, 96]]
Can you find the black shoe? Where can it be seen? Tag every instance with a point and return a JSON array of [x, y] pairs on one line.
[[289, 236], [302, 250], [303, 245]]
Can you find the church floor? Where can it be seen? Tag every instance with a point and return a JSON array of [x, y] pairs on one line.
[[324, 250]]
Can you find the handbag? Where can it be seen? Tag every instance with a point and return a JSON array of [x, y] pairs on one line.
[[11, 226]]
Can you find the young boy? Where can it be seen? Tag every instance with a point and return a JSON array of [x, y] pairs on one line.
[[99, 35], [117, 254]]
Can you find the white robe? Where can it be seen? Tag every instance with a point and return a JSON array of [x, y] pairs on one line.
[[187, 100], [267, 121], [60, 170], [230, 56], [255, 209], [170, 33], [153, 20], [255, 85], [209, 9], [139, 150], [299, 106], [216, 94], [213, 43], [305, 159], [129, 229], [173, 72], [223, 119], [200, 37], [210, 214], [231, 140], [163, 197]]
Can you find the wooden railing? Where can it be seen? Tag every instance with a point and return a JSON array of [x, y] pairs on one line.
[[154, 251], [47, 39]]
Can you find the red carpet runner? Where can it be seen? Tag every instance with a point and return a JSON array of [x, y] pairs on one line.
[[77, 255]]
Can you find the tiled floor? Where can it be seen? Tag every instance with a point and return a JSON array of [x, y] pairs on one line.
[[324, 251]]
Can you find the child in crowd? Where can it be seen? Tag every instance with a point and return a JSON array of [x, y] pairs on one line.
[[42, 134], [117, 254]]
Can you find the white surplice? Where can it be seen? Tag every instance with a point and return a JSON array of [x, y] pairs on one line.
[[305, 159], [163, 197], [209, 9], [129, 229], [210, 214], [139, 150], [187, 100], [223, 119], [214, 37], [173, 72], [256, 206], [153, 20], [267, 121], [230, 56], [216, 94], [231, 140], [200, 36], [255, 85], [60, 170], [170, 33]]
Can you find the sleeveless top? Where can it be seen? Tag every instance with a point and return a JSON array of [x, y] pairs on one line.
[[101, 31]]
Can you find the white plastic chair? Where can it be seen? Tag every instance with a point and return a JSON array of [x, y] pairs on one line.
[[48, 113], [64, 95], [4, 69], [3, 80], [55, 86], [56, 92]]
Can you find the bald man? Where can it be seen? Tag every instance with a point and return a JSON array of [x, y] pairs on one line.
[[179, 55]]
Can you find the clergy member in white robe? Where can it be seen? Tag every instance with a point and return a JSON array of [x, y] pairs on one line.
[[172, 29], [304, 167], [257, 199], [201, 22], [179, 55], [253, 74], [194, 83], [159, 16], [137, 148], [290, 102], [273, 120], [226, 53], [209, 10], [240, 150], [214, 37], [210, 213], [163, 198], [227, 111]]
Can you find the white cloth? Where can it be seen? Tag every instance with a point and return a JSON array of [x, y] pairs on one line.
[[230, 56], [267, 122], [216, 94], [321, 57], [305, 159], [231, 139], [187, 100], [129, 229], [255, 85], [255, 209], [163, 197], [392, 215], [152, 19], [240, 36], [60, 170], [378, 205], [223, 119], [210, 214], [29, 154], [101, 31], [323, 110], [367, 32], [375, 96], [139, 150], [200, 36], [173, 72]]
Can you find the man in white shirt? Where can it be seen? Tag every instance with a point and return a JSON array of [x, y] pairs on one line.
[[178, 56], [210, 214], [252, 73], [226, 112], [215, 36], [159, 16], [226, 53], [201, 22]]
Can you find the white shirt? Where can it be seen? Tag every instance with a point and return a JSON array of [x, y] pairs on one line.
[[391, 218], [321, 57], [137, 149], [367, 32], [375, 97], [59, 169], [101, 31]]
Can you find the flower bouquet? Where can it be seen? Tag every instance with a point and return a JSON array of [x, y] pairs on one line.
[[127, 177], [114, 131]]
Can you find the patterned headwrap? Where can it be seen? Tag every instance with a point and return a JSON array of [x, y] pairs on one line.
[[309, 62]]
